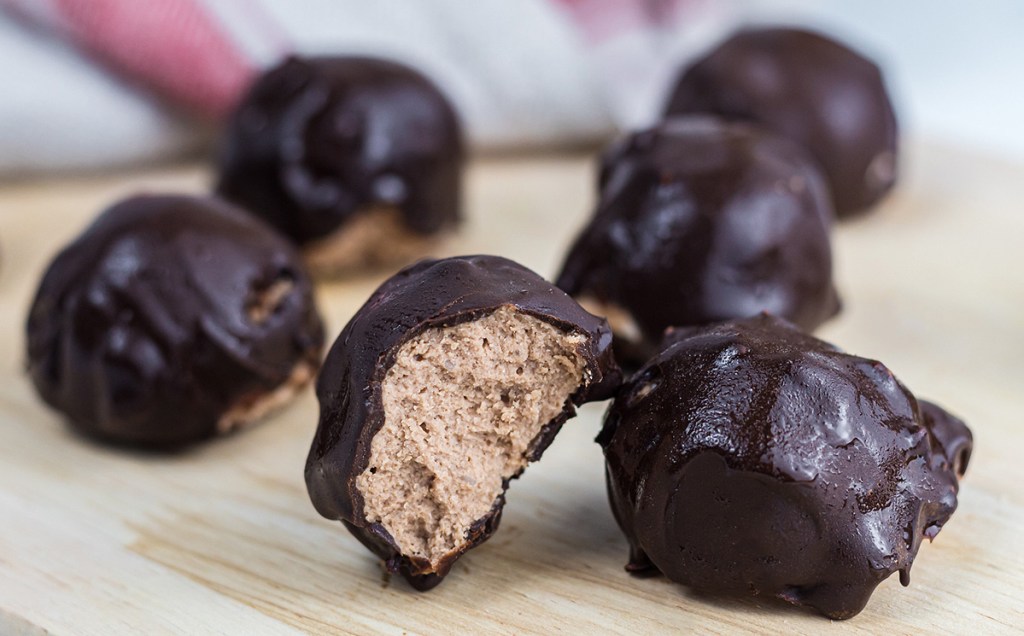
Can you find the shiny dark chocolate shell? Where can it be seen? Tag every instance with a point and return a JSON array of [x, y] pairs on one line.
[[318, 140], [701, 220], [751, 458], [812, 89], [166, 317]]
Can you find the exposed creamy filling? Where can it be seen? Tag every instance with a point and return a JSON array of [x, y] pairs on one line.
[[376, 237], [463, 406]]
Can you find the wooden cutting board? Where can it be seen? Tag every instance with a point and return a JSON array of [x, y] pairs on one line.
[[222, 538]]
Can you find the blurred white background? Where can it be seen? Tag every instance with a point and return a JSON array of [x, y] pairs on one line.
[[526, 73]]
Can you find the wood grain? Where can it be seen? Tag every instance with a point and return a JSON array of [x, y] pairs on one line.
[[223, 539]]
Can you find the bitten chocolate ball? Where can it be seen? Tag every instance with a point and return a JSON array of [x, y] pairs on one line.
[[358, 160], [751, 458], [701, 220], [171, 319], [812, 89], [453, 376]]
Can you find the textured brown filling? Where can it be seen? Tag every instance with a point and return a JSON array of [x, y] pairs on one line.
[[251, 409], [462, 408], [619, 319], [266, 301], [259, 308], [376, 237]]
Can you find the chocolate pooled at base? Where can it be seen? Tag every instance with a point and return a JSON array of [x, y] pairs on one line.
[[701, 220], [812, 89], [320, 141], [751, 458], [452, 377], [172, 319]]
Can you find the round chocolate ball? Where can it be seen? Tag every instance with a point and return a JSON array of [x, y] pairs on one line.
[[357, 159], [452, 378], [701, 220], [752, 458], [171, 319], [812, 89]]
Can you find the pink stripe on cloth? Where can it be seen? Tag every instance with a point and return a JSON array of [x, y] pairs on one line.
[[600, 20], [173, 47]]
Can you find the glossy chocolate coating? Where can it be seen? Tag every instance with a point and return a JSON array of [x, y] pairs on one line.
[[318, 140], [140, 331], [812, 89], [750, 457], [431, 293], [700, 220]]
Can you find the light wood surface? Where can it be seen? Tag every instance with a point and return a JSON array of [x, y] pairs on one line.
[[223, 539]]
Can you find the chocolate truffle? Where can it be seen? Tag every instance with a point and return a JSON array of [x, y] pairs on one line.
[[701, 220], [751, 458], [811, 89], [453, 376], [358, 160], [171, 319]]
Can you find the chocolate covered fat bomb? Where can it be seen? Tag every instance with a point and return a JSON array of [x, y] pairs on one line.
[[453, 376], [752, 458], [358, 160], [812, 89], [172, 319], [701, 220]]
